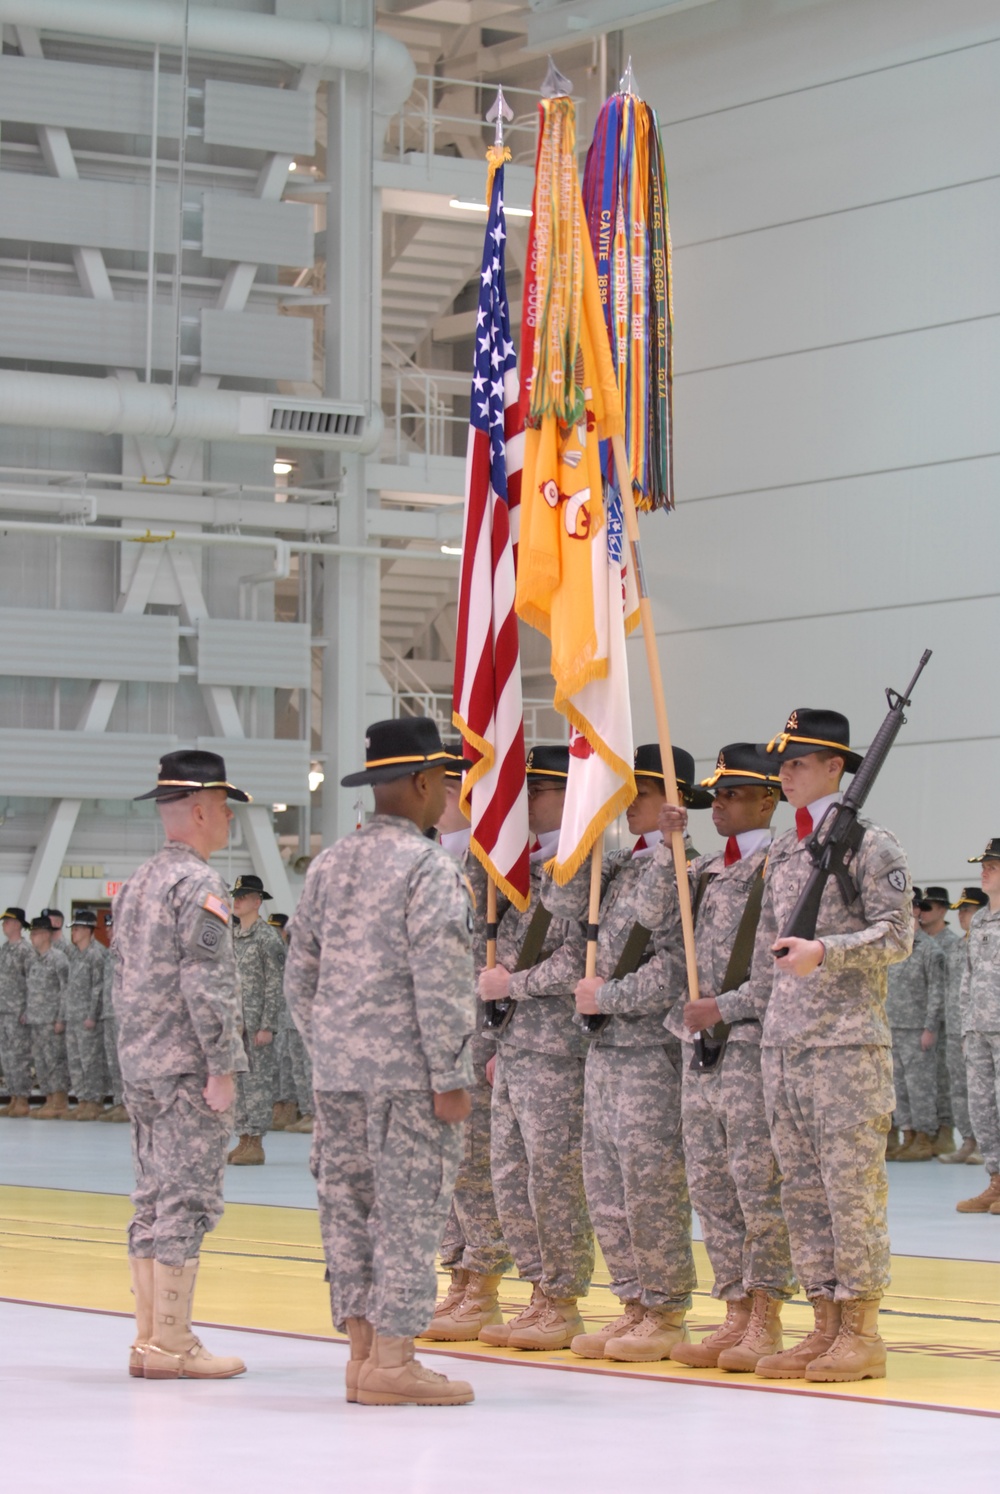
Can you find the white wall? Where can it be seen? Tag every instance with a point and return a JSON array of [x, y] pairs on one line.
[[834, 177]]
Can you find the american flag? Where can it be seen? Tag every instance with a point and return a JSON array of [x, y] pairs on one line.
[[488, 710]]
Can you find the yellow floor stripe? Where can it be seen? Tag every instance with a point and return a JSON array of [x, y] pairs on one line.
[[263, 1269]]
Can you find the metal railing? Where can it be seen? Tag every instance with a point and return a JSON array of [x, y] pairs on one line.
[[420, 418], [413, 696]]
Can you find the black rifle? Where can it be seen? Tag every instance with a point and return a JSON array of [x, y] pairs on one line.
[[832, 852]]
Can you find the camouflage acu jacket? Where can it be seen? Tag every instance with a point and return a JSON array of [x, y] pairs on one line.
[[14, 959], [843, 1002], [260, 964], [85, 986], [379, 971], [46, 981], [980, 996], [916, 986], [544, 1020], [176, 995]]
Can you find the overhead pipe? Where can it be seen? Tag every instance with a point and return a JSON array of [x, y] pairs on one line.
[[320, 44]]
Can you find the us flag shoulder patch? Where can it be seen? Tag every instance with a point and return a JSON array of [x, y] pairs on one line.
[[213, 904]]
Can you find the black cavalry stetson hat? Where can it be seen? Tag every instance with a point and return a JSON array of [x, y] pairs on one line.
[[277, 920], [185, 772], [84, 918], [17, 913], [809, 731], [972, 897], [43, 921], [395, 749], [548, 762], [918, 900], [938, 895], [249, 883], [456, 768], [742, 764], [992, 851], [648, 763]]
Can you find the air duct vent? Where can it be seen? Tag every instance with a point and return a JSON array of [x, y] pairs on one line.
[[318, 420], [310, 422]]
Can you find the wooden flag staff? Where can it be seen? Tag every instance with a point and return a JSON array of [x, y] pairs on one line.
[[662, 724]]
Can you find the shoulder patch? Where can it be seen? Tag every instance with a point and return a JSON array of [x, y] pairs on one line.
[[209, 936], [213, 904], [897, 878]]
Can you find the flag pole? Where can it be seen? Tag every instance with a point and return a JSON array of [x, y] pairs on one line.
[[594, 906], [491, 923], [660, 709]]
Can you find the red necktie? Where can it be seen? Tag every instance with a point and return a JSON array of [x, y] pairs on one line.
[[640, 845], [732, 851], [536, 845], [803, 823]]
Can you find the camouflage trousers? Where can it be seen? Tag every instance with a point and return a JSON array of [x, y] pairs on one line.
[[110, 1027], [85, 1051], [955, 1059], [945, 1111], [385, 1169], [255, 1092], [829, 1113], [294, 1070], [48, 1056], [733, 1176], [179, 1157], [633, 1171], [537, 1166], [982, 1070], [473, 1239], [915, 1077], [15, 1055]]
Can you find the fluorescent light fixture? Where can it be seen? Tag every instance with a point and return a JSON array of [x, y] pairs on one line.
[[293, 166], [483, 207], [282, 469], [316, 777], [278, 808], [451, 549]]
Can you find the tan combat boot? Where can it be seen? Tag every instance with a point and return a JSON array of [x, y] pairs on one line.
[[857, 1353], [652, 1339], [174, 1352], [89, 1110], [705, 1355], [763, 1336], [19, 1108], [555, 1327], [792, 1363], [301, 1127], [983, 1202], [893, 1145], [116, 1113], [478, 1308], [944, 1142], [141, 1268], [452, 1297], [960, 1154], [594, 1345], [390, 1376], [906, 1136], [55, 1107], [497, 1334], [248, 1153], [920, 1149], [283, 1114], [361, 1334]]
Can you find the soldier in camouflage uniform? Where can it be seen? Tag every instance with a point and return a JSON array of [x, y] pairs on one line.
[[379, 982], [177, 1004], [932, 921], [971, 900], [260, 964], [537, 1114], [633, 1155], [15, 1034], [914, 1007], [473, 1248], [732, 1172], [117, 1114], [827, 1059], [48, 973], [980, 1004], [84, 1038]]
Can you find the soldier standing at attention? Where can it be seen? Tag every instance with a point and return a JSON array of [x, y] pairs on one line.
[[177, 1004], [293, 1110], [932, 918], [633, 1156], [971, 900], [260, 964], [732, 1173], [48, 973], [826, 1056], [980, 1003], [379, 982], [473, 1248], [117, 1113], [57, 919], [537, 1115], [84, 1038], [915, 1002], [15, 1034]]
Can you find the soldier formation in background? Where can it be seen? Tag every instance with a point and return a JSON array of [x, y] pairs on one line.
[[599, 1104]]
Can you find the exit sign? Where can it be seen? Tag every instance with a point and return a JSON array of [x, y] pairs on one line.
[[111, 888]]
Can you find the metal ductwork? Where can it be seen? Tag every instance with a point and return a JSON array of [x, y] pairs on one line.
[[115, 407], [237, 33]]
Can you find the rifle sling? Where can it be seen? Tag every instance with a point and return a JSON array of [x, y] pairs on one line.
[[712, 1044], [534, 938], [631, 956]]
